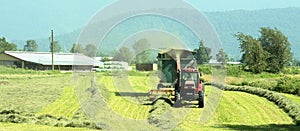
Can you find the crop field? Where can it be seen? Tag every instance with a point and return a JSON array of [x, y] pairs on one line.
[[52, 101]]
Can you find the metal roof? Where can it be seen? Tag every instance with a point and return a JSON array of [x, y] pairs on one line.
[[175, 50], [45, 58]]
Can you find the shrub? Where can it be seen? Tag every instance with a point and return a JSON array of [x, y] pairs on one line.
[[205, 69], [265, 84], [288, 85], [234, 70]]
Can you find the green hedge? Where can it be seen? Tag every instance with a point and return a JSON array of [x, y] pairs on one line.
[[290, 107]]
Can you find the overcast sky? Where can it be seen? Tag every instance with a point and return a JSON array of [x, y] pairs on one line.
[[224, 5], [29, 19]]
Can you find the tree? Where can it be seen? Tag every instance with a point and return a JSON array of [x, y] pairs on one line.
[[222, 57], [295, 62], [277, 45], [56, 47], [254, 57], [142, 52], [31, 45], [147, 56], [141, 45], [202, 53], [91, 50], [271, 50], [123, 54], [102, 54], [6, 46], [77, 48]]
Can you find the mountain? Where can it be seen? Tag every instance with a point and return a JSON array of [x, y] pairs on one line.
[[249, 22], [226, 24]]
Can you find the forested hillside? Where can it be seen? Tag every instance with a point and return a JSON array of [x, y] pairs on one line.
[[249, 22], [226, 24]]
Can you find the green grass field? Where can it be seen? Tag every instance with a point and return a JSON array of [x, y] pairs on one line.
[[67, 105], [55, 94], [293, 98]]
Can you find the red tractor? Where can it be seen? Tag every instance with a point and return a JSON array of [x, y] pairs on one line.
[[180, 80]]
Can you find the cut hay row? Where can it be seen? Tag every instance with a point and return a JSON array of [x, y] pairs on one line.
[[67, 105]]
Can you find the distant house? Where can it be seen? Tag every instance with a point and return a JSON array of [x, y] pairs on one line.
[[43, 60], [100, 58], [213, 61], [115, 65]]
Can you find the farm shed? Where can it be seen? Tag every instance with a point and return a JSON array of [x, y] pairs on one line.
[[146, 67], [43, 60]]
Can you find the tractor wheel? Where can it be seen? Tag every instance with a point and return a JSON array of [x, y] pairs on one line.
[[201, 100], [177, 100]]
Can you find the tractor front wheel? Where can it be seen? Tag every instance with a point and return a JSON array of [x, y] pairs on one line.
[[177, 100], [201, 100]]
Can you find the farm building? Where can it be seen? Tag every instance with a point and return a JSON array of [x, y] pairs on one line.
[[146, 67], [43, 60]]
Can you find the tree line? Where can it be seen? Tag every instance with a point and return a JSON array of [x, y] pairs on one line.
[[32, 46], [270, 52]]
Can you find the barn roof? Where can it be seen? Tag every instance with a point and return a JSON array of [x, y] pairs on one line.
[[45, 58]]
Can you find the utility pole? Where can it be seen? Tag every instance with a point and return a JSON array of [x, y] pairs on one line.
[[52, 50]]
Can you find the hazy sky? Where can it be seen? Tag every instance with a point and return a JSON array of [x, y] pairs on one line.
[[30, 19], [223, 5]]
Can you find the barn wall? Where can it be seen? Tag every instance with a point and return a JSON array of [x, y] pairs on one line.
[[144, 67], [7, 60]]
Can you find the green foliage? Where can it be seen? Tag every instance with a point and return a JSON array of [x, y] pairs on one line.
[[101, 54], [234, 70], [293, 70], [288, 84], [13, 70], [6, 46], [31, 45], [277, 45], [205, 69], [295, 62], [91, 50], [270, 52], [222, 57], [77, 48], [56, 47], [254, 57], [146, 57], [123, 54], [143, 53], [265, 80], [202, 53], [141, 45]]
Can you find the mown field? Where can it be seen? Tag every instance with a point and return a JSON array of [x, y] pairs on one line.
[[53, 101]]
